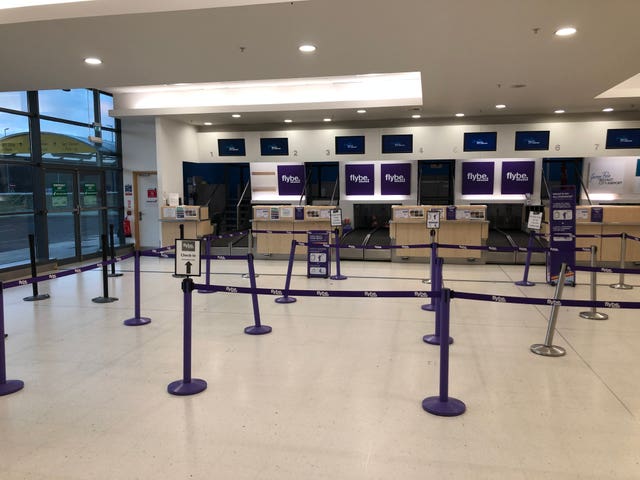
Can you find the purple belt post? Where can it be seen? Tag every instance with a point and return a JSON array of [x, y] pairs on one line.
[[207, 268], [188, 385], [136, 320], [433, 306], [434, 339], [525, 277], [443, 405], [338, 275], [6, 386], [286, 298], [257, 328]]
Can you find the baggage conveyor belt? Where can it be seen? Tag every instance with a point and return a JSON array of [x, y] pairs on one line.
[[366, 237]]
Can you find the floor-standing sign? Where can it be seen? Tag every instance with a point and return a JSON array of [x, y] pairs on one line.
[[187, 258], [562, 234], [318, 253]]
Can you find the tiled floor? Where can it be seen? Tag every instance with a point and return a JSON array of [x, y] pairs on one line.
[[333, 393]]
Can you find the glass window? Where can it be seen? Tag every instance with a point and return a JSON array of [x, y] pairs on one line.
[[14, 139], [90, 190], [106, 104], [16, 190], [109, 141], [66, 143], [114, 188], [76, 105], [14, 248], [14, 101]]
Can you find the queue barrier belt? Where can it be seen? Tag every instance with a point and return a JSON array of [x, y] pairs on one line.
[[64, 273]]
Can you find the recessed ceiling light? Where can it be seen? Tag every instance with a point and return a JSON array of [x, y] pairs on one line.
[[208, 123], [33, 3], [558, 111], [459, 114], [307, 48], [362, 110], [288, 120], [565, 31], [326, 119], [608, 109], [92, 61], [236, 115], [500, 106], [415, 115]]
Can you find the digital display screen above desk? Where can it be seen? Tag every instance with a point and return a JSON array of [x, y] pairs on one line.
[[231, 147], [397, 143], [480, 141], [535, 140], [623, 138], [352, 145]]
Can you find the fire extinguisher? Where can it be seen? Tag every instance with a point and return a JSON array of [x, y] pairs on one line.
[[126, 227]]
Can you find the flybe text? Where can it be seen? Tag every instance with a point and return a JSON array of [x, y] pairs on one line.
[[478, 177], [359, 178]]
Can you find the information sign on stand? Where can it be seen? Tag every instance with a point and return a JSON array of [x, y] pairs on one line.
[[433, 219], [535, 221], [562, 234], [336, 217], [187, 258], [318, 254]]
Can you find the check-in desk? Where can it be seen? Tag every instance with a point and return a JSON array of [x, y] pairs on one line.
[[287, 218], [194, 218], [468, 227], [616, 219]]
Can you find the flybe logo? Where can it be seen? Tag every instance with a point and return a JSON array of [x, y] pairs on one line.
[[477, 177], [275, 148], [231, 148], [290, 179], [395, 178], [517, 177], [359, 178]]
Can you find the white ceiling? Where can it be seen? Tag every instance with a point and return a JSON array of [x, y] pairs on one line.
[[471, 54]]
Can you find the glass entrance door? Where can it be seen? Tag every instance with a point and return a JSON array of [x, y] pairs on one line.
[[75, 213]]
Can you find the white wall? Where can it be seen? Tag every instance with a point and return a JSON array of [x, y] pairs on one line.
[[611, 180], [176, 142]]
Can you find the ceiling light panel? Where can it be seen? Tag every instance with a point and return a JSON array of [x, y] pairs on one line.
[[7, 4]]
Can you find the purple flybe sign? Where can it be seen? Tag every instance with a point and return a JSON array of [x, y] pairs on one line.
[[395, 179], [517, 177], [477, 178], [359, 179], [290, 179]]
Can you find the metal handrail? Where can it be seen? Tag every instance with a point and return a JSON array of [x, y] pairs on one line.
[[333, 194], [304, 187], [239, 203]]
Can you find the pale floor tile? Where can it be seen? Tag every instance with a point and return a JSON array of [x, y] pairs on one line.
[[334, 392]]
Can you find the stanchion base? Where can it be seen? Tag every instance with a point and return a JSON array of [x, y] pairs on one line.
[[179, 387], [621, 286], [175, 275], [246, 275], [285, 300], [205, 291], [548, 350], [452, 407], [429, 307], [136, 322], [35, 298], [257, 330], [427, 281], [104, 299], [112, 275], [338, 277], [11, 386], [525, 283], [594, 315], [434, 339]]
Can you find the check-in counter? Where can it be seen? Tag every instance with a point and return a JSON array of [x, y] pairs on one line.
[[605, 220], [466, 225], [287, 218], [194, 218]]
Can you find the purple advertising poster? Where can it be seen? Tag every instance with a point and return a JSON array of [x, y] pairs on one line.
[[477, 178], [290, 179], [359, 179], [517, 177], [395, 179], [562, 226]]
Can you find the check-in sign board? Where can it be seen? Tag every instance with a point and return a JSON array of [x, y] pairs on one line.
[[187, 258]]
